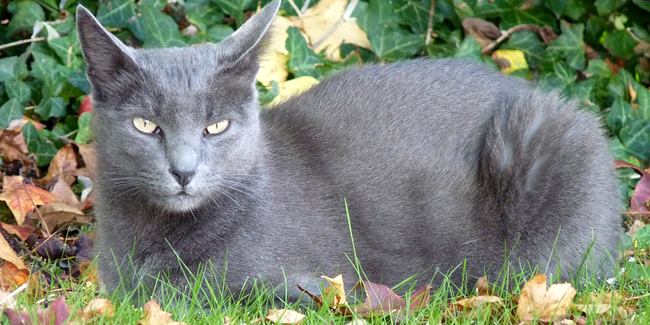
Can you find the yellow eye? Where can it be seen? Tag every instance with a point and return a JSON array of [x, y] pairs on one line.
[[217, 128], [145, 126]]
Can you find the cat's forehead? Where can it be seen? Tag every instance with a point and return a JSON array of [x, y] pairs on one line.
[[182, 69]]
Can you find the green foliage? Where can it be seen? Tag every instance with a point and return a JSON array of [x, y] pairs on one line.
[[596, 52]]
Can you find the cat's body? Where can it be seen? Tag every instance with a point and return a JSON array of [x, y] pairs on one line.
[[441, 163]]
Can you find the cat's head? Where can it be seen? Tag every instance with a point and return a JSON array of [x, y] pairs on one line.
[[179, 126]]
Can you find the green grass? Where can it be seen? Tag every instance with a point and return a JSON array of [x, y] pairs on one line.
[[189, 307]]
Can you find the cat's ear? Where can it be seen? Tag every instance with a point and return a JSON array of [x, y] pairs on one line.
[[106, 56], [241, 49]]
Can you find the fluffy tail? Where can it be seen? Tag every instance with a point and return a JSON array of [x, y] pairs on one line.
[[545, 168]]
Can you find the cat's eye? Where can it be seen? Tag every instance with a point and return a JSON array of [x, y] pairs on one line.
[[217, 128], [145, 126]]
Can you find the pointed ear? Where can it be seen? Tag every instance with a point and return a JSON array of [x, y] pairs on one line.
[[241, 49], [106, 56]]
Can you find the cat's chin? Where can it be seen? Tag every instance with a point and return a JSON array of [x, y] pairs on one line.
[[180, 203]]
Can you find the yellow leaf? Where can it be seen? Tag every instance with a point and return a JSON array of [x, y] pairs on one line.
[[23, 198], [293, 88], [284, 316], [324, 21], [336, 290], [539, 303], [154, 315], [7, 253], [510, 60], [273, 61]]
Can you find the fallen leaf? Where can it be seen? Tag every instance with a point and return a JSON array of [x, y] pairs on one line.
[[21, 232], [63, 165], [12, 276], [7, 253], [273, 61], [638, 224], [284, 316], [420, 298], [335, 292], [88, 164], [292, 88], [482, 287], [23, 198], [57, 214], [94, 310], [154, 315], [539, 303], [510, 60], [55, 314], [641, 194], [476, 301], [64, 193], [380, 300], [323, 23], [484, 32], [12, 147]]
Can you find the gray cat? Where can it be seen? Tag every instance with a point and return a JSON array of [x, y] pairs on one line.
[[442, 164]]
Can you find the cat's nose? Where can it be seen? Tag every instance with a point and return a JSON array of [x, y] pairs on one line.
[[183, 177]]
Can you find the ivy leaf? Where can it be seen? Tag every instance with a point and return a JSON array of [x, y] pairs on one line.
[[162, 30], [635, 137], [44, 150], [644, 4], [302, 60], [51, 107], [235, 8], [643, 100], [556, 6], [605, 7], [619, 115], [391, 44], [85, 134], [12, 67], [415, 14], [574, 9], [116, 13], [469, 49], [512, 14], [9, 111], [529, 43], [202, 13], [17, 89], [571, 45], [620, 43], [378, 14], [25, 15]]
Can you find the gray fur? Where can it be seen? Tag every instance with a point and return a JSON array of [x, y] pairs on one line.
[[441, 162]]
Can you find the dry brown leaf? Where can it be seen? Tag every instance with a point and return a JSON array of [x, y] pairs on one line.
[[57, 214], [12, 147], [325, 15], [23, 198], [539, 303], [96, 308], [89, 160], [484, 32], [335, 291], [7, 253], [473, 302], [12, 276], [154, 315], [638, 224], [63, 165], [21, 232], [284, 316], [64, 193]]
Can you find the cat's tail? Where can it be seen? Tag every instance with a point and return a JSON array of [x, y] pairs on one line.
[[545, 168]]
